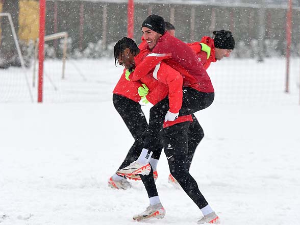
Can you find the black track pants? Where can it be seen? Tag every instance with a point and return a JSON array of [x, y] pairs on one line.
[[186, 181], [195, 135], [193, 101], [149, 184], [136, 122], [175, 141], [176, 149], [156, 120]]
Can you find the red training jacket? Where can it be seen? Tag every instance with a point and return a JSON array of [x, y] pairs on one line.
[[179, 56], [161, 81], [157, 90], [202, 56], [173, 81], [128, 89]]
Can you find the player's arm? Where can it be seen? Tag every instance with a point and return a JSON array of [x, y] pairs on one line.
[[173, 79], [147, 65]]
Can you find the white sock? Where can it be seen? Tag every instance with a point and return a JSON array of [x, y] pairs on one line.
[[144, 157], [116, 177], [206, 210], [154, 200], [154, 163]]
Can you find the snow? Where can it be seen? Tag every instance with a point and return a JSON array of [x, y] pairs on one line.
[[56, 157]]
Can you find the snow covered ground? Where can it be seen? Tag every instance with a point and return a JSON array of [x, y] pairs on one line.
[[56, 157]]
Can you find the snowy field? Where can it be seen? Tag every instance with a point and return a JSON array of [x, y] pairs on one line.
[[56, 157]]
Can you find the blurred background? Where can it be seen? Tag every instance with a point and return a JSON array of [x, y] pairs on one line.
[[85, 32]]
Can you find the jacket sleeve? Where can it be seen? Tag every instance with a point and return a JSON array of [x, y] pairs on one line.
[[195, 46], [203, 58], [158, 93], [174, 81], [201, 54], [147, 65]]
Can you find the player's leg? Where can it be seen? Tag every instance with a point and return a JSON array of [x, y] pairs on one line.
[[155, 208], [136, 123], [193, 101], [156, 120], [152, 141], [175, 142], [195, 135]]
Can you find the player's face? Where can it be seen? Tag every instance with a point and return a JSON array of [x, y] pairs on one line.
[[221, 53], [150, 36], [126, 59]]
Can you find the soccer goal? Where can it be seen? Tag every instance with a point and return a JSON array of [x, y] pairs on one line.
[[52, 37], [14, 36]]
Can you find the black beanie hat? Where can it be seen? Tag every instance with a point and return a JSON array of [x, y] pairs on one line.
[[223, 39], [155, 23]]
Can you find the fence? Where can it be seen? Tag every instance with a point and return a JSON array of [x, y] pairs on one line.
[[93, 28]]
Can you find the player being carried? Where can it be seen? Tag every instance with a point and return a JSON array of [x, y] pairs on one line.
[[198, 94]]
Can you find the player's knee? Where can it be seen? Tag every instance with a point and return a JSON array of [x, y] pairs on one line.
[[176, 174], [180, 176], [177, 170]]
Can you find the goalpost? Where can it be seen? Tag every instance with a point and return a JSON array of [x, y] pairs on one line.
[[18, 50], [51, 37]]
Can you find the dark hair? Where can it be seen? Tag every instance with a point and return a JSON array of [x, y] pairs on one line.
[[124, 43], [155, 23], [169, 26], [223, 39]]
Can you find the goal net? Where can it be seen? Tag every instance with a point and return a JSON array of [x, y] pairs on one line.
[[14, 84], [52, 80], [81, 67]]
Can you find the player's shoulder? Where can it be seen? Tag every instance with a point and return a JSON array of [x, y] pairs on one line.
[[207, 40]]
